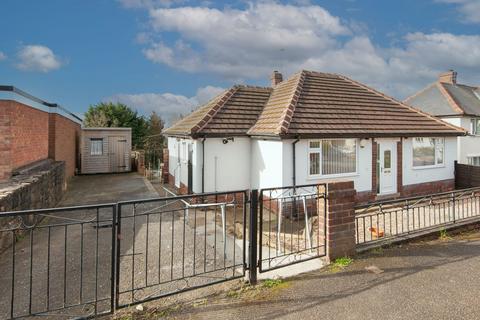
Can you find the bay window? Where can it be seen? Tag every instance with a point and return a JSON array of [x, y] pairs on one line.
[[332, 157], [428, 152]]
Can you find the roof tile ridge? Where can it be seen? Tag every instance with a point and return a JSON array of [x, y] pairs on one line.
[[404, 105], [451, 101], [290, 109], [215, 108], [419, 92], [252, 86]]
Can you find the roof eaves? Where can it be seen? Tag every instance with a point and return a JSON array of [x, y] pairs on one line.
[[451, 101], [459, 130], [213, 111]]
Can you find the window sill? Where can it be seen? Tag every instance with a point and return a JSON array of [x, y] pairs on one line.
[[333, 176], [428, 167]]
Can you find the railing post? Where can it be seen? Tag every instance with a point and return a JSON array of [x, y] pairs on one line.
[[453, 206], [252, 248], [114, 262]]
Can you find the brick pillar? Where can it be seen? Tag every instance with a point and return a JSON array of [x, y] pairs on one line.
[[340, 219], [5, 141], [51, 135], [165, 173], [400, 166], [374, 166]]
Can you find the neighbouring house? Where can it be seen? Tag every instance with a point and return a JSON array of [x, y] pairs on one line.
[[33, 130], [38, 151], [311, 128], [105, 150], [458, 104]]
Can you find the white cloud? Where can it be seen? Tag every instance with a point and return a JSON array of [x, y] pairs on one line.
[[246, 44], [470, 9], [242, 43], [37, 58], [3, 56], [169, 106], [148, 3]]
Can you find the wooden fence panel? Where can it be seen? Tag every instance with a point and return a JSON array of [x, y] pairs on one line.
[[466, 176]]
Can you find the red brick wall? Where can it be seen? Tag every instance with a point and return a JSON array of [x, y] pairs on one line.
[[66, 140], [29, 132], [412, 190], [29, 135], [5, 140]]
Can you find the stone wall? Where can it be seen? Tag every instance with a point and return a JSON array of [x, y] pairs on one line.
[[42, 188]]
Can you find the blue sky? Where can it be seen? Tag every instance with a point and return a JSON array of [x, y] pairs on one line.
[[170, 55]]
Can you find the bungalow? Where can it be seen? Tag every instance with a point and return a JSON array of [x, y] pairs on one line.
[[458, 104], [311, 128]]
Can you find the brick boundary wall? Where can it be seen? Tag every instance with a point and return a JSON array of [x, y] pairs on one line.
[[340, 219], [29, 135]]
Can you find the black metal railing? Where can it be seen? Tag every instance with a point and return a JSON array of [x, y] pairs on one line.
[[386, 220], [170, 245], [291, 225], [57, 262]]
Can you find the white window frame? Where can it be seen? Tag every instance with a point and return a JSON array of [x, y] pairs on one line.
[[473, 127], [470, 160], [319, 150], [436, 165], [101, 144]]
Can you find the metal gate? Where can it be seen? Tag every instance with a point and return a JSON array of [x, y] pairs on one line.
[[57, 262], [291, 225], [170, 245]]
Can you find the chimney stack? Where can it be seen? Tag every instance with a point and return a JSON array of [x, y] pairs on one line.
[[276, 78], [448, 77]]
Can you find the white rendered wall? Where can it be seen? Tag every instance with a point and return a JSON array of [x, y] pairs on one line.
[[468, 146], [266, 163], [227, 166], [416, 175]]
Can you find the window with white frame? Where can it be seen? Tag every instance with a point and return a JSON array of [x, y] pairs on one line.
[[96, 146], [428, 152], [475, 126], [474, 161], [332, 157]]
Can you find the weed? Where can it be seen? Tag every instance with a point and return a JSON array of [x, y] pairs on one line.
[[342, 262], [444, 235], [272, 283], [378, 250]]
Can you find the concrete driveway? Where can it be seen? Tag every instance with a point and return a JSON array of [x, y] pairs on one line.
[[425, 280], [104, 188], [64, 263]]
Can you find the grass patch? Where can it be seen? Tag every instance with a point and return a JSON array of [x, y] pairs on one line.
[[272, 283], [378, 250], [342, 262]]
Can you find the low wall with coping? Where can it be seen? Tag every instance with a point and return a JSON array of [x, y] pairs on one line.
[[43, 188]]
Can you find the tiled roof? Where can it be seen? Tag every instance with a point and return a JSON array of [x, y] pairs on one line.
[[232, 112], [310, 104], [447, 99], [330, 105]]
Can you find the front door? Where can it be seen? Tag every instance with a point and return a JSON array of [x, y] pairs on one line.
[[387, 166]]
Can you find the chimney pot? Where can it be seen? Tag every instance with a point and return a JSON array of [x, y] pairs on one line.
[[276, 78], [448, 77]]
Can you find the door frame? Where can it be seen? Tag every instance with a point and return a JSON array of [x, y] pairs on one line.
[[382, 145]]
